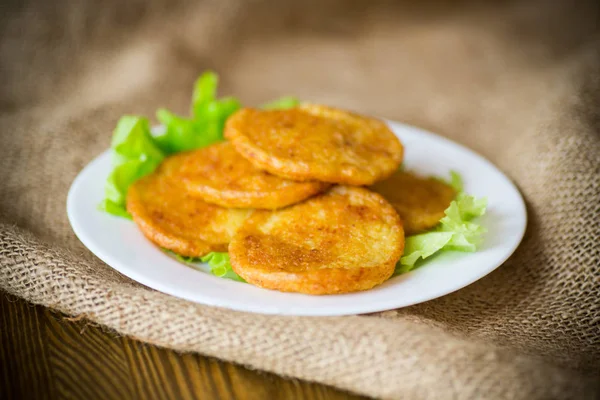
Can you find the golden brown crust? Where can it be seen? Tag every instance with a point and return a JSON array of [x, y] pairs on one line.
[[321, 281], [313, 142], [345, 240], [173, 220], [220, 175], [419, 201]]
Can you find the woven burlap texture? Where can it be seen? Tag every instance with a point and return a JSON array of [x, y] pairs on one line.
[[517, 82]]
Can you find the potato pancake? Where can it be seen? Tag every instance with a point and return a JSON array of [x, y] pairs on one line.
[[220, 175], [345, 240], [419, 201], [313, 142], [171, 218]]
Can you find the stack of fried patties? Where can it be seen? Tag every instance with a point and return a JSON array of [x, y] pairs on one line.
[[284, 195]]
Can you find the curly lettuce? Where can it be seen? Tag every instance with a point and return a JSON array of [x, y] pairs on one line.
[[456, 231], [456, 181], [217, 261], [221, 266], [134, 155], [207, 120], [136, 152]]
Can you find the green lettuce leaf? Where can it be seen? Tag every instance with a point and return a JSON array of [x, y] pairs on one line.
[[469, 207], [182, 134], [456, 230], [205, 92], [455, 181], [423, 246], [136, 152], [205, 126], [134, 155], [113, 208], [281, 103], [183, 259], [217, 261], [220, 266]]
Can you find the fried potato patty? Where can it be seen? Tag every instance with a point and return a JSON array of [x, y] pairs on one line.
[[345, 240], [220, 175], [168, 216], [419, 201], [313, 142]]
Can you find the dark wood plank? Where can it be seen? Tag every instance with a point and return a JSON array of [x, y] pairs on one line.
[[25, 366], [46, 355], [86, 363]]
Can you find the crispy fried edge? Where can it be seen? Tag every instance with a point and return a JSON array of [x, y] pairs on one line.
[[152, 231], [268, 200], [263, 200], [295, 170], [319, 282], [413, 226]]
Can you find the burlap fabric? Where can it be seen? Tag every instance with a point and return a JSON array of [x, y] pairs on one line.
[[517, 82]]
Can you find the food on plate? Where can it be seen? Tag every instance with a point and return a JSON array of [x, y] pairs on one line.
[[457, 231], [174, 220], [419, 201], [219, 175], [315, 142], [277, 205], [345, 240]]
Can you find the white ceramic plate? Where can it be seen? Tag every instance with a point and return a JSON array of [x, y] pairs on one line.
[[119, 243]]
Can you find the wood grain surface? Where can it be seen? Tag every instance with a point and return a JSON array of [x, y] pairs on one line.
[[47, 355]]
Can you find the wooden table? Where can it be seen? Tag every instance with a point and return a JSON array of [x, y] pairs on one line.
[[45, 354]]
